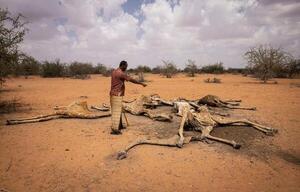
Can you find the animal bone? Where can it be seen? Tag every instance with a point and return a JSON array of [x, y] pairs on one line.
[[103, 108], [202, 121], [139, 107], [205, 122], [175, 141], [77, 109], [214, 101]]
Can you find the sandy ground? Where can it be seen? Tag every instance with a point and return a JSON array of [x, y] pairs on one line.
[[79, 155]]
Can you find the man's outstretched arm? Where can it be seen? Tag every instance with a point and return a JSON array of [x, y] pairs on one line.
[[132, 80], [137, 82]]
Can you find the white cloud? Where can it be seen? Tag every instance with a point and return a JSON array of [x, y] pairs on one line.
[[206, 31]]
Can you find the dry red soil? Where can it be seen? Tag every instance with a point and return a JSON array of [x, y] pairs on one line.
[[80, 155]]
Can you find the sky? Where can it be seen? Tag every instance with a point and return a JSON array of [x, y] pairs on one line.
[[145, 32]]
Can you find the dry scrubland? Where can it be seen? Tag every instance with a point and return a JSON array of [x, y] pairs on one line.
[[79, 155]]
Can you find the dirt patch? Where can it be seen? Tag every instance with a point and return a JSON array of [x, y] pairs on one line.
[[34, 156]]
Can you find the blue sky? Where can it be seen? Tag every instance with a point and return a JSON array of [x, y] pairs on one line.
[[145, 32]]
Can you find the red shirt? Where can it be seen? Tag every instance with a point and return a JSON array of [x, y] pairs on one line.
[[117, 82]]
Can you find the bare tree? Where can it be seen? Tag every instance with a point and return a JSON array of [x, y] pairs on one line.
[[264, 59], [191, 68], [169, 68]]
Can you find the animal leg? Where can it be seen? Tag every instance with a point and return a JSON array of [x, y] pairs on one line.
[[232, 100], [262, 128], [104, 108], [33, 120], [220, 103], [232, 143], [243, 108], [205, 133], [180, 130], [170, 142], [35, 117]]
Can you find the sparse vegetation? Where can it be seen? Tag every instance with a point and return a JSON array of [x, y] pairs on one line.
[[100, 69], [236, 70], [12, 31], [292, 68], [212, 80], [169, 69], [216, 68], [143, 68], [191, 68], [266, 62], [53, 69], [79, 70], [28, 66], [157, 70]]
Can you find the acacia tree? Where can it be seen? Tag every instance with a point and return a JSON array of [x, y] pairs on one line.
[[263, 60], [191, 68], [12, 31], [169, 68]]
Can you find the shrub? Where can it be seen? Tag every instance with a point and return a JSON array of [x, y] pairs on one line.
[[191, 68], [100, 69], [143, 68], [169, 69], [292, 68], [12, 31], [80, 70], [267, 62], [157, 70], [28, 66], [216, 68], [108, 72], [213, 80], [236, 70], [54, 69]]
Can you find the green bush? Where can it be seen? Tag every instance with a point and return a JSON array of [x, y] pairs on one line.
[[100, 69], [216, 68], [80, 69], [143, 68], [29, 66], [157, 70], [54, 69], [292, 68], [236, 70], [12, 32]]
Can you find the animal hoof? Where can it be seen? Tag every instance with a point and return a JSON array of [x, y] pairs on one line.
[[237, 146], [121, 155], [180, 143], [275, 130], [270, 133]]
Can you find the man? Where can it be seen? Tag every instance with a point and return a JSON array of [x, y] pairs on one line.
[[118, 76]]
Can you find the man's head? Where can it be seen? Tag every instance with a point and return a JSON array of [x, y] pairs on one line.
[[123, 65]]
